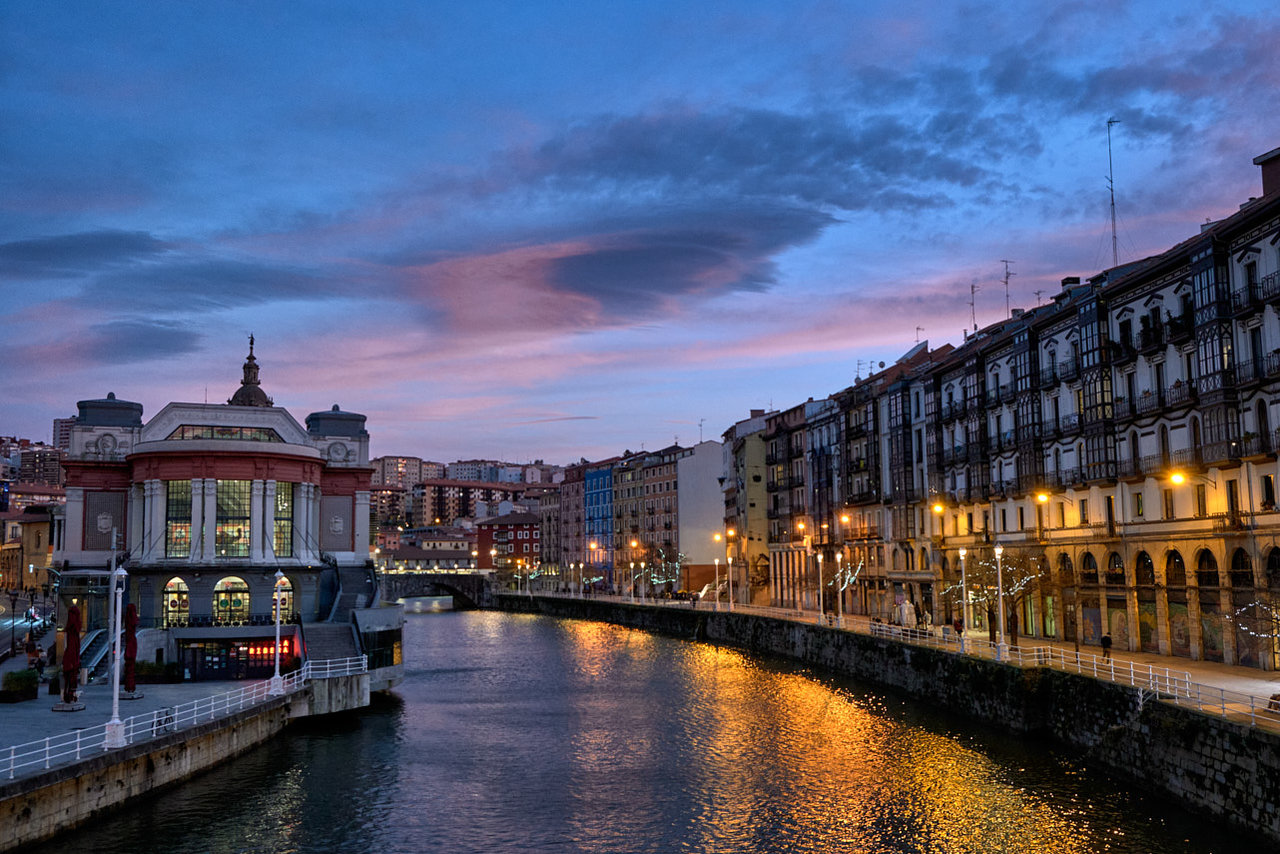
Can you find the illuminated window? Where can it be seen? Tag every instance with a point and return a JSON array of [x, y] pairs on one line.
[[231, 600], [177, 517], [176, 603], [232, 535], [283, 538]]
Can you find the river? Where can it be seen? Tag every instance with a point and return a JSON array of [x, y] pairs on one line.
[[521, 733]]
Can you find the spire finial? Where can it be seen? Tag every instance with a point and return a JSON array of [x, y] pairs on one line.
[[251, 344]]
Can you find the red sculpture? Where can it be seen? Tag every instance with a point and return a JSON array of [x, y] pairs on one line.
[[130, 647], [71, 656]]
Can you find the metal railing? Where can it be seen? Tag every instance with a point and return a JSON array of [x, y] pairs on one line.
[[1175, 686], [72, 746]]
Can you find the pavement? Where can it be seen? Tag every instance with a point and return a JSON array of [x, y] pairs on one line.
[[33, 720]]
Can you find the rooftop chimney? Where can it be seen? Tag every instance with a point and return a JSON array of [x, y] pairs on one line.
[[1270, 163]]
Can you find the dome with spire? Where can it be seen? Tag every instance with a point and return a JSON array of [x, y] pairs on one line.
[[250, 392]]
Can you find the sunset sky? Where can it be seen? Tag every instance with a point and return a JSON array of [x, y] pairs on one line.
[[554, 230]]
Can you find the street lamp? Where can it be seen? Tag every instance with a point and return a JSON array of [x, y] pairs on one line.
[[839, 591], [115, 727], [277, 684], [964, 602], [1002, 649], [717, 563], [633, 582], [819, 588]]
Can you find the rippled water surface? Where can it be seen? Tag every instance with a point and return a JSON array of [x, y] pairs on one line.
[[521, 733]]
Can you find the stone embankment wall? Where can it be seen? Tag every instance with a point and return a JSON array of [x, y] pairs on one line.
[[1210, 764], [39, 807]]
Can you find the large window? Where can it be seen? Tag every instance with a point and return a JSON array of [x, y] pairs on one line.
[[232, 537], [177, 519], [231, 600], [282, 539], [177, 606]]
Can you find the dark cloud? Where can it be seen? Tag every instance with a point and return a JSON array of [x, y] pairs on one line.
[[125, 341], [824, 159], [203, 285], [67, 255]]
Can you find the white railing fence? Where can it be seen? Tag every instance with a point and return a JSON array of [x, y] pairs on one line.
[[1173, 685], [72, 746]]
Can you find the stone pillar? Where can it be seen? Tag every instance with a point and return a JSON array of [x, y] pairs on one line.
[[361, 526], [197, 520], [208, 552], [136, 536], [256, 492], [269, 522], [157, 539], [73, 535]]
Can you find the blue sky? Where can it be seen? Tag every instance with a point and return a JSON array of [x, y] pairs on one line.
[[552, 230]]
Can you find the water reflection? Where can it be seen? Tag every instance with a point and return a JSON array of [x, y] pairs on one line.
[[518, 733]]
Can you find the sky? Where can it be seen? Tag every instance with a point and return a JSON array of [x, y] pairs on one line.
[[552, 230]]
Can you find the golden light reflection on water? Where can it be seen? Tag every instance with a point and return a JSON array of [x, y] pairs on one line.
[[775, 753]]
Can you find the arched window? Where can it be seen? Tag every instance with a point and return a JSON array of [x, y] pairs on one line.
[[1273, 569], [1089, 569], [283, 601], [1241, 570], [177, 604], [231, 600], [1066, 573], [1175, 571], [1206, 569], [1115, 569], [1144, 570]]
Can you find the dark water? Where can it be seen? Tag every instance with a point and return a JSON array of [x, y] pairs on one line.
[[520, 733]]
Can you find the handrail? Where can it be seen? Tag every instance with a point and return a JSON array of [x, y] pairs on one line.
[[73, 746]]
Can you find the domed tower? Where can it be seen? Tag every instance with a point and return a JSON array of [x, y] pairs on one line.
[[250, 392]]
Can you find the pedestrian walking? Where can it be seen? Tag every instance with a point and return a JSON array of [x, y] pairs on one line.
[[1106, 646]]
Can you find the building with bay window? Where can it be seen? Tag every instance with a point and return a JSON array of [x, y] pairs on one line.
[[203, 504]]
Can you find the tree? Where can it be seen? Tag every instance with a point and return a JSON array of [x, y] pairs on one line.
[[1019, 575]]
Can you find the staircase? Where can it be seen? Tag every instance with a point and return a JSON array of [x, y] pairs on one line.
[[327, 641], [357, 592]]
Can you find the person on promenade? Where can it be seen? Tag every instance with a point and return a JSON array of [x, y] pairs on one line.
[[1106, 646]]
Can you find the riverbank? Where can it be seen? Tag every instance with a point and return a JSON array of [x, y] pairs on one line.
[[1221, 768]]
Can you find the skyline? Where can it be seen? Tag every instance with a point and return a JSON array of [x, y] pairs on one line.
[[532, 234]]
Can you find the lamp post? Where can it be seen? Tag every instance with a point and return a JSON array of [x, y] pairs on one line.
[[641, 582], [839, 592], [819, 588], [1002, 649], [964, 601], [729, 577], [716, 607], [632, 588], [277, 684], [115, 727]]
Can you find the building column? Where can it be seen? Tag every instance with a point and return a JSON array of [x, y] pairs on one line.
[[361, 525], [136, 534], [73, 532], [269, 522], [208, 553], [256, 492], [156, 504], [197, 520]]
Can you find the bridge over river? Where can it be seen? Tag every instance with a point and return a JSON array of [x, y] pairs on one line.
[[469, 590]]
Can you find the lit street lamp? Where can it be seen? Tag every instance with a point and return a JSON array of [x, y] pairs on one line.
[[717, 563], [13, 619], [277, 684], [115, 727], [819, 588], [964, 601], [1002, 649]]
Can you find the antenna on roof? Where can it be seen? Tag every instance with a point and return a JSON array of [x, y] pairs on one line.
[[1037, 293], [973, 292], [1111, 185], [1007, 274], [919, 329], [701, 421]]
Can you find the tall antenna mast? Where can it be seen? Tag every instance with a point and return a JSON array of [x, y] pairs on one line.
[[973, 312], [1007, 274], [919, 329], [1111, 184]]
